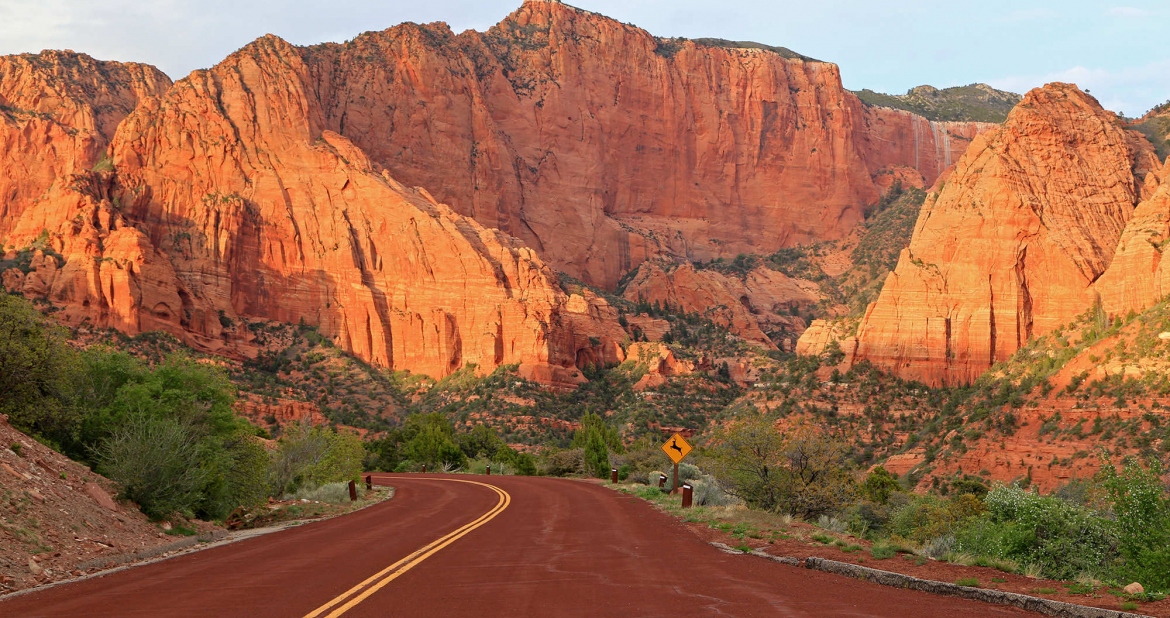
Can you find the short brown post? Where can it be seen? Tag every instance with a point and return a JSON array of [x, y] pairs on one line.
[[424, 468], [674, 485], [369, 482], [687, 492], [489, 470], [613, 475], [661, 481], [352, 491]]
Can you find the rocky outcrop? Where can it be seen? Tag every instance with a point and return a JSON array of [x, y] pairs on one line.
[[229, 201], [1138, 277], [821, 334], [279, 412], [659, 362], [1010, 245], [58, 111], [758, 307]]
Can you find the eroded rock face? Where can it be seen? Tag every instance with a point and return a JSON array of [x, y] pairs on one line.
[[660, 363], [58, 111], [277, 185], [229, 201], [1010, 245], [601, 146], [1138, 277], [757, 307]]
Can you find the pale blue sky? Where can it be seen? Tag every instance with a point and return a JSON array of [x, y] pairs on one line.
[[1119, 50]]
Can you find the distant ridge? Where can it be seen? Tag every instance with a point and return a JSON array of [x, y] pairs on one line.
[[973, 103]]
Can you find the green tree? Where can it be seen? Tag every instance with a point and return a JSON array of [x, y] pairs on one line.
[[878, 485], [36, 372], [594, 422], [596, 453], [481, 441], [1143, 521], [313, 456], [802, 472], [430, 439]]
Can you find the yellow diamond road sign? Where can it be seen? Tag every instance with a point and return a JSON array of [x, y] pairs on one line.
[[676, 448]]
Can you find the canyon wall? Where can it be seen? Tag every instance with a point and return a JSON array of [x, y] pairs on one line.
[[225, 203], [600, 145], [1009, 246], [312, 183], [58, 111]]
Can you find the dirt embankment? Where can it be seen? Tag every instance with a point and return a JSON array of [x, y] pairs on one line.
[[56, 516]]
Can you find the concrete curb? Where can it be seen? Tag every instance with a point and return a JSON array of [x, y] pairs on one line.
[[1047, 607], [105, 562]]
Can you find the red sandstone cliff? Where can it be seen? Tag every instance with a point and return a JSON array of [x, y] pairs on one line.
[[600, 145], [275, 185], [755, 307], [228, 202], [1009, 246], [58, 111]]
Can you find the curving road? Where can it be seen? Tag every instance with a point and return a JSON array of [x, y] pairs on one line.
[[482, 546]]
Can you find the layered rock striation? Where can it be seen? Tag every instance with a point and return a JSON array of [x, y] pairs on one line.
[[229, 201], [1011, 244], [58, 111], [759, 306], [600, 145], [283, 184]]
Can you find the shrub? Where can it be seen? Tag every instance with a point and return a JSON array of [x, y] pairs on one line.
[[879, 484], [156, 461], [430, 439], [333, 493], [1063, 540], [314, 456], [525, 464], [707, 492], [928, 517], [1143, 522], [801, 473], [564, 463]]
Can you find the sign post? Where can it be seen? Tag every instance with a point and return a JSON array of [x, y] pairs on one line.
[[676, 448]]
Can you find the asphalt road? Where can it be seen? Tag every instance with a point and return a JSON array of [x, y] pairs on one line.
[[482, 546]]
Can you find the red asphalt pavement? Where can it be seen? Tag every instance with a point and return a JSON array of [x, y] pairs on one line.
[[560, 548]]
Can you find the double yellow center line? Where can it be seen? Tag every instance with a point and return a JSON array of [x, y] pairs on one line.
[[374, 583]]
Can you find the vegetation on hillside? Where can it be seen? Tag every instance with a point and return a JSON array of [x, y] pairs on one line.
[[166, 432], [974, 102], [1156, 127], [784, 52]]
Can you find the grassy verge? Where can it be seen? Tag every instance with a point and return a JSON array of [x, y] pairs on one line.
[[747, 530], [283, 511]]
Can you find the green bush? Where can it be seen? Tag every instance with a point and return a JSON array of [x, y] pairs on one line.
[[156, 461], [1143, 522], [928, 517], [1061, 539], [430, 439], [802, 473], [314, 456], [564, 463], [879, 484]]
